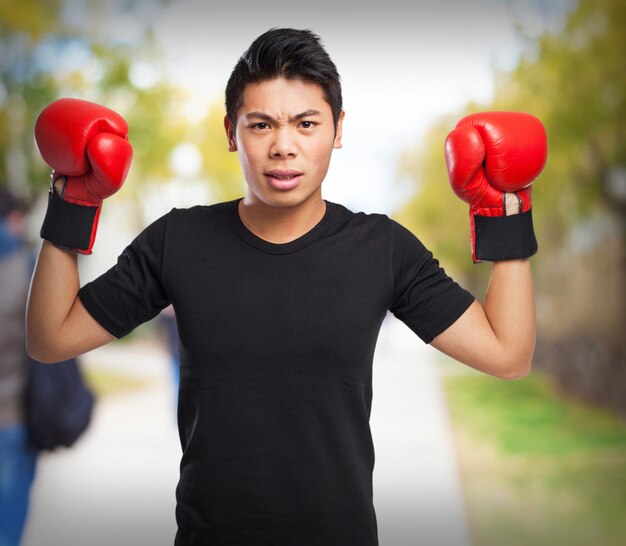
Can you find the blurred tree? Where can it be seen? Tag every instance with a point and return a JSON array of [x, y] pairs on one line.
[[434, 213], [574, 81], [104, 52], [23, 86]]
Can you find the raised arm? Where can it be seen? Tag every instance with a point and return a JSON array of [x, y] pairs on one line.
[[497, 337], [58, 327], [86, 145], [492, 159]]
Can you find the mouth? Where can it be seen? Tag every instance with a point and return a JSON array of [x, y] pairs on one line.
[[283, 179]]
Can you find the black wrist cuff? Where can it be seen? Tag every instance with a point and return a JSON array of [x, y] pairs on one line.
[[504, 237], [68, 225]]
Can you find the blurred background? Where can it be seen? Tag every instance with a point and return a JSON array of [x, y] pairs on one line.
[[542, 460]]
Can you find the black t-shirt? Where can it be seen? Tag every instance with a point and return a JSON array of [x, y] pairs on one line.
[[276, 350]]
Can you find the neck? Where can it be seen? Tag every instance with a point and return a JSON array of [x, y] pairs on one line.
[[281, 225]]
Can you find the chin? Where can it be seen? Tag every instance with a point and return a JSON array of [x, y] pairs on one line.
[[289, 199]]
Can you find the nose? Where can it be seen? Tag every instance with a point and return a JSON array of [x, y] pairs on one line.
[[283, 144]]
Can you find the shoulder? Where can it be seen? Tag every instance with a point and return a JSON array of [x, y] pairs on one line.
[[345, 218], [186, 228], [403, 236], [180, 223], [378, 223], [215, 211], [179, 220]]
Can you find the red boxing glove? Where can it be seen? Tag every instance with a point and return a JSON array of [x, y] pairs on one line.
[[87, 146], [487, 155]]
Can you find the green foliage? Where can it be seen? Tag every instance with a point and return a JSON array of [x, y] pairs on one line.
[[106, 383], [435, 214], [424, 212], [221, 166], [575, 82], [527, 417], [536, 467], [23, 87], [30, 17], [45, 57]]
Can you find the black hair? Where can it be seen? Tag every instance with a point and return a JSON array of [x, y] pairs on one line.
[[287, 53]]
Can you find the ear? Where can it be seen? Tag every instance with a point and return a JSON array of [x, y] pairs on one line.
[[230, 134], [338, 131]]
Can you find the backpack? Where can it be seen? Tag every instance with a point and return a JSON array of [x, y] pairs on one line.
[[57, 404]]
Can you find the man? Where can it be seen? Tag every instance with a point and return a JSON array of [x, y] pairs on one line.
[[279, 296]]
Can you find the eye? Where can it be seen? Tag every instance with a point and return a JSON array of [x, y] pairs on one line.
[[307, 124], [260, 125]]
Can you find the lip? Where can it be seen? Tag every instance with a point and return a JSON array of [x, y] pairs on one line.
[[274, 180]]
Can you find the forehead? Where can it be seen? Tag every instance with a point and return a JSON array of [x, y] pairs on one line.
[[281, 97]]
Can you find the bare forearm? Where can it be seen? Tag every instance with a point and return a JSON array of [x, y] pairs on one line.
[[510, 309], [53, 291]]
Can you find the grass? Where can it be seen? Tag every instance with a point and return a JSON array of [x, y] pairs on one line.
[[537, 468], [105, 383]]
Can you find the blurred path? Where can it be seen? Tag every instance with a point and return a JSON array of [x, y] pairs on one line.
[[417, 491], [116, 487]]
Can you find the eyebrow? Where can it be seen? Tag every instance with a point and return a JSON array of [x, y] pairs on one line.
[[266, 117]]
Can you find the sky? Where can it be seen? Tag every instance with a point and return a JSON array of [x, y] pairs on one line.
[[403, 64]]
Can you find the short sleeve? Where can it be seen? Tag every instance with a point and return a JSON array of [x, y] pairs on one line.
[[131, 292], [425, 298]]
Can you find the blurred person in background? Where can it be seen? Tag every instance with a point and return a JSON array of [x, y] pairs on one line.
[[17, 459]]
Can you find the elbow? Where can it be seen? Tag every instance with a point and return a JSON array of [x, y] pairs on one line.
[[36, 353], [517, 372], [39, 351], [517, 363], [516, 369], [34, 346]]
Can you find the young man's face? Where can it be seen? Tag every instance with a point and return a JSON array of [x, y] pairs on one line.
[[285, 137]]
